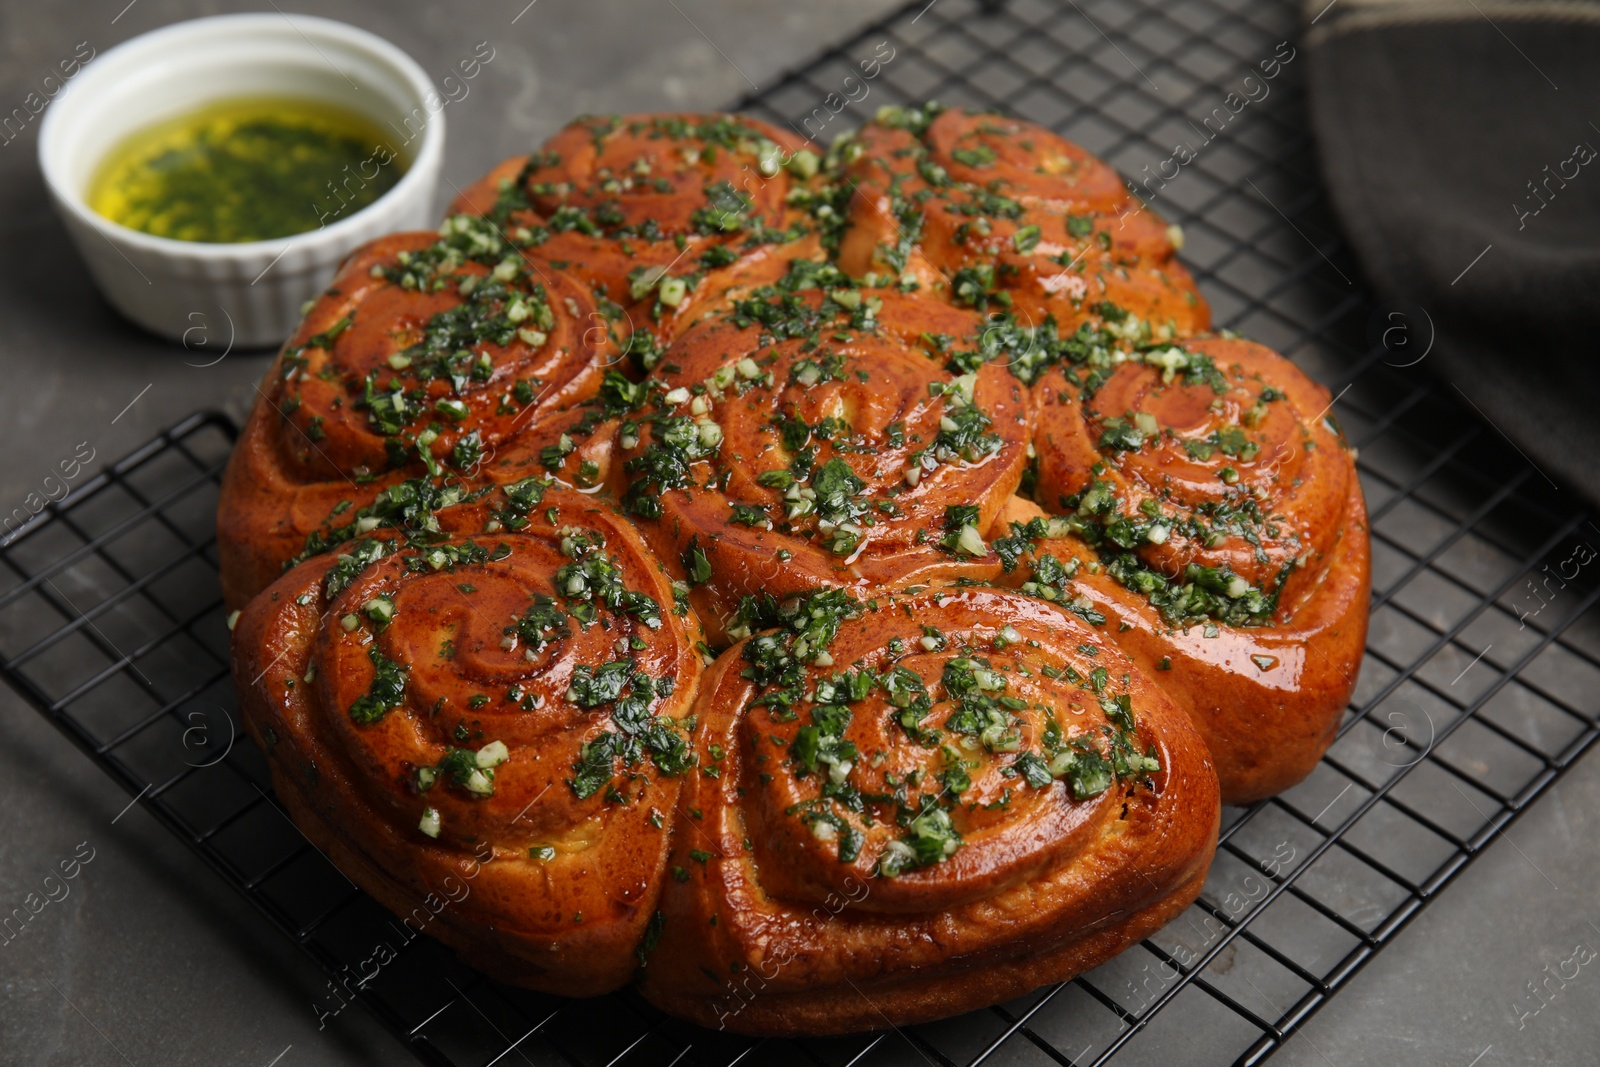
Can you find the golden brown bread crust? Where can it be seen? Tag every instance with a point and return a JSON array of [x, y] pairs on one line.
[[1269, 699], [628, 202], [789, 912], [1229, 465], [265, 518], [314, 440], [561, 865], [1248, 431], [816, 394], [803, 461], [1003, 214]]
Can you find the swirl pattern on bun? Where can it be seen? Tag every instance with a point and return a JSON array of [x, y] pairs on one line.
[[918, 807], [504, 709], [427, 354], [655, 213], [1024, 572], [1220, 508], [815, 437], [1000, 213]]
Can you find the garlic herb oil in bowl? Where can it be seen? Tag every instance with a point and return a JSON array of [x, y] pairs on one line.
[[219, 170], [246, 169]]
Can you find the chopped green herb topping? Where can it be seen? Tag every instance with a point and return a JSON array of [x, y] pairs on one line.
[[387, 692], [639, 731], [410, 506]]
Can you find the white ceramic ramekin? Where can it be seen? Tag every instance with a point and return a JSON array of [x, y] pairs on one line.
[[168, 286]]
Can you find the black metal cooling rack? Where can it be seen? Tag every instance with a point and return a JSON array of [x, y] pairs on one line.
[[1475, 693]]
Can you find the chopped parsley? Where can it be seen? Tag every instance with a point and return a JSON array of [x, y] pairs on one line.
[[410, 506], [387, 692], [638, 732]]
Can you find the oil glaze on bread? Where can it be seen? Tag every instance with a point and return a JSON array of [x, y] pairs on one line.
[[827, 589]]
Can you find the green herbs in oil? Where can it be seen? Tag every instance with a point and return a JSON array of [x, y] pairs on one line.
[[246, 169]]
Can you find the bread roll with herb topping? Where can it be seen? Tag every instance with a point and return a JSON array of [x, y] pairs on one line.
[[1220, 506], [818, 437], [919, 806], [655, 212], [497, 719], [427, 356], [1000, 214], [1020, 562]]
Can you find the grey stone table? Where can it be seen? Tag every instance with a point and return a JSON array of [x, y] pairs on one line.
[[1504, 968], [151, 960]]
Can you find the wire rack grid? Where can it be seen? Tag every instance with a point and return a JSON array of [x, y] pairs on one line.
[[1471, 699]]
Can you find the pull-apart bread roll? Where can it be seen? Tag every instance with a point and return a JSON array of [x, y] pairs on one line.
[[1001, 214], [1229, 542], [658, 213], [495, 718], [431, 353], [818, 438], [918, 806], [832, 590]]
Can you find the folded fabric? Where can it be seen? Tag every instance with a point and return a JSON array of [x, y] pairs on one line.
[[1458, 139]]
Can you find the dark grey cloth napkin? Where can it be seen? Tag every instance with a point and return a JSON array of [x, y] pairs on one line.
[[1459, 141]]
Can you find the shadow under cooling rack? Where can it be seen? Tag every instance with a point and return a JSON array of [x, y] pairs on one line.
[[1475, 693]]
